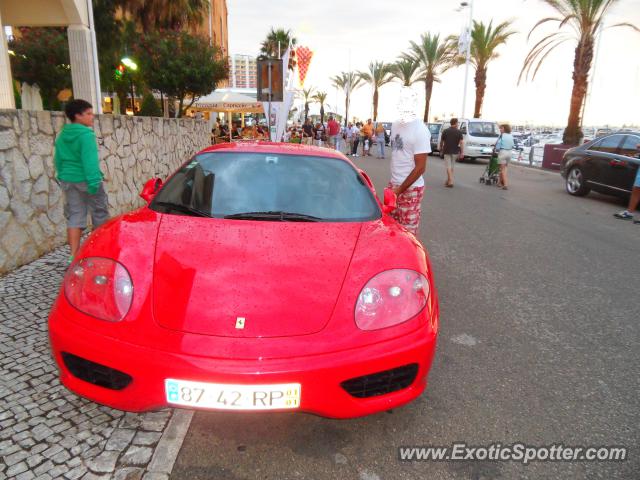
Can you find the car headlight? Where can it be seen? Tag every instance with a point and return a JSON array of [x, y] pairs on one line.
[[390, 298], [99, 287]]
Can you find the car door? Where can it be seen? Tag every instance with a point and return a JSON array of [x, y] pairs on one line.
[[597, 158], [623, 169]]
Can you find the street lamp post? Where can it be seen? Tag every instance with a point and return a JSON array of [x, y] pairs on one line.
[[132, 66], [467, 35]]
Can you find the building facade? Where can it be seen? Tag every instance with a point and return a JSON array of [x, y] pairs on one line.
[[214, 25], [242, 71]]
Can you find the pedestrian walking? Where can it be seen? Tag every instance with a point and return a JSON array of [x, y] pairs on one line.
[[320, 134], [504, 146], [349, 138], [333, 130], [367, 136], [380, 139], [78, 171], [409, 149], [307, 132], [452, 147], [355, 130], [634, 200]]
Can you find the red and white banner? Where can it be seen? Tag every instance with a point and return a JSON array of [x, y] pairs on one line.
[[304, 56]]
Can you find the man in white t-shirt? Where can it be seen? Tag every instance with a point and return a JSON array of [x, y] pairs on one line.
[[410, 145]]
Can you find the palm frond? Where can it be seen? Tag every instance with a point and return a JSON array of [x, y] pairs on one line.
[[542, 22], [405, 70], [434, 56], [624, 24], [378, 75], [534, 56]]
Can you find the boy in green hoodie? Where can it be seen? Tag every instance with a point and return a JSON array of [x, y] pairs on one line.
[[78, 170]]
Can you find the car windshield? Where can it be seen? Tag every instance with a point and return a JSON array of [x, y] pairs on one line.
[[483, 129], [268, 187], [434, 128]]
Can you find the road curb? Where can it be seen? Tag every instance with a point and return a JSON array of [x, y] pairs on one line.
[[170, 443]]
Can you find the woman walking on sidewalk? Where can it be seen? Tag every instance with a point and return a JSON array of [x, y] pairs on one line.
[[504, 146]]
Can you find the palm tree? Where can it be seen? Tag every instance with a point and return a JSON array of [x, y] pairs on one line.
[[379, 74], [321, 97], [585, 17], [277, 42], [154, 15], [434, 57], [347, 82], [405, 70], [484, 42], [307, 94]]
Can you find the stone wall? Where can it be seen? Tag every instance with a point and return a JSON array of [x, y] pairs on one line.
[[132, 150]]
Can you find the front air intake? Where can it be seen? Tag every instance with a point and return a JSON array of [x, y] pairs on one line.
[[95, 373], [381, 383]]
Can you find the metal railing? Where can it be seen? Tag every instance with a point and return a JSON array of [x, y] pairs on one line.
[[531, 156]]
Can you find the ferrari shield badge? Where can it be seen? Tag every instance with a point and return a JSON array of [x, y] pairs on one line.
[[240, 323]]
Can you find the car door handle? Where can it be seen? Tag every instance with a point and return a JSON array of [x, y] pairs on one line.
[[617, 163]]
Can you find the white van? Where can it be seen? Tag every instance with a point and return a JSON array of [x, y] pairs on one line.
[[480, 136]]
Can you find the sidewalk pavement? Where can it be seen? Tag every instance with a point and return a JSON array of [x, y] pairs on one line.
[[46, 432]]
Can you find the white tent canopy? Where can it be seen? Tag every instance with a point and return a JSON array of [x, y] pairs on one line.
[[228, 101]]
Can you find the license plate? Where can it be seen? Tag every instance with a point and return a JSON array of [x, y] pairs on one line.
[[486, 150], [223, 396]]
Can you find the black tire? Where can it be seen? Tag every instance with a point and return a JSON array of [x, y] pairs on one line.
[[575, 183]]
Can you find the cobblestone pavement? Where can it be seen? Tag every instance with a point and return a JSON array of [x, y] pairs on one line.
[[46, 432]]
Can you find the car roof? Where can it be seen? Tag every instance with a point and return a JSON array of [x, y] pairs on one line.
[[618, 132]]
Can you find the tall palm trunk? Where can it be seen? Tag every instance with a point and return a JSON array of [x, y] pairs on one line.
[[375, 104], [306, 111], [428, 90], [346, 110], [481, 87], [581, 67], [322, 113]]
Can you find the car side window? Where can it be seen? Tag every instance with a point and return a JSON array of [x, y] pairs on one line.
[[630, 146], [608, 144]]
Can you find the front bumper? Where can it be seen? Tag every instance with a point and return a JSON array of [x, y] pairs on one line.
[[478, 152], [320, 376]]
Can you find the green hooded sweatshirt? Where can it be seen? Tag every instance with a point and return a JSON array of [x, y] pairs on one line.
[[76, 156]]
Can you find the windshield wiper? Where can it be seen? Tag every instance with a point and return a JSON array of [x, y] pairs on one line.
[[277, 215], [183, 208]]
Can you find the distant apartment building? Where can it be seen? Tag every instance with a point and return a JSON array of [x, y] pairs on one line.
[[242, 71]]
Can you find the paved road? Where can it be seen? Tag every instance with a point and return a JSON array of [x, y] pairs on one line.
[[539, 344]]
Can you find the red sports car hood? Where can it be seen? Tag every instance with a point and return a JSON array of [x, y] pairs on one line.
[[282, 278]]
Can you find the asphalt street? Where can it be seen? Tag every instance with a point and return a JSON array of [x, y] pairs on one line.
[[539, 344]]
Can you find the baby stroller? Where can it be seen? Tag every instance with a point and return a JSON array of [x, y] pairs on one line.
[[491, 175]]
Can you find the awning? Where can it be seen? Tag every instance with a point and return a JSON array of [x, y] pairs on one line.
[[228, 102]]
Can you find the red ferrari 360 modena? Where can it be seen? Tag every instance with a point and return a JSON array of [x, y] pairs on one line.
[[259, 277]]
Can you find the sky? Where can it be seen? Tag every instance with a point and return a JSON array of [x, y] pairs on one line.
[[347, 35]]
